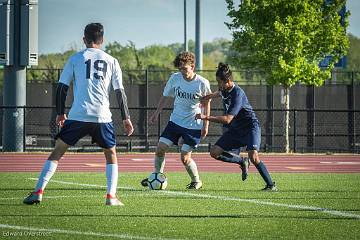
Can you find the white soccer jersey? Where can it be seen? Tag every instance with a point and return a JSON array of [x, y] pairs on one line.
[[187, 99], [93, 72]]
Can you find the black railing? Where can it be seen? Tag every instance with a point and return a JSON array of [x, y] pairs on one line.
[[156, 76], [311, 130]]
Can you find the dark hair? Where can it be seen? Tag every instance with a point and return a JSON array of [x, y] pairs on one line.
[[184, 58], [94, 33], [224, 73]]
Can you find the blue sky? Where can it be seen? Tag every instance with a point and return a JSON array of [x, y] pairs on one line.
[[143, 22]]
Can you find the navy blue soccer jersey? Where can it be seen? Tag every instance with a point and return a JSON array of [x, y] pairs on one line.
[[236, 103]]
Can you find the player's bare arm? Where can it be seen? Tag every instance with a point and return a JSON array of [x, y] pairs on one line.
[[128, 127], [225, 119], [60, 119], [206, 107], [154, 116], [209, 97]]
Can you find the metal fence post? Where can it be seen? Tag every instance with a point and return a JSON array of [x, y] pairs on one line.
[[351, 114], [295, 132], [310, 105], [269, 118], [24, 129], [58, 73], [146, 110], [159, 125]]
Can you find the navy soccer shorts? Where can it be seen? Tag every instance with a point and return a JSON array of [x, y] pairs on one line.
[[235, 139], [173, 132], [101, 133]]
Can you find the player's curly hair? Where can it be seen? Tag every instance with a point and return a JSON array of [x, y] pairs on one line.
[[94, 33], [184, 58], [224, 72]]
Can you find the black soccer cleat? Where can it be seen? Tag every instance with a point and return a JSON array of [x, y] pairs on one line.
[[270, 188], [194, 185], [33, 198]]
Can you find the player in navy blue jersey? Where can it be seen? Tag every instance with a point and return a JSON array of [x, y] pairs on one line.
[[241, 127]]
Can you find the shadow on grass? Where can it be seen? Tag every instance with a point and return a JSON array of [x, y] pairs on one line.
[[54, 189], [230, 216], [280, 191], [50, 189]]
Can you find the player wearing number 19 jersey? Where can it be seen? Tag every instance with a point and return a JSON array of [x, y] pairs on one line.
[[93, 74]]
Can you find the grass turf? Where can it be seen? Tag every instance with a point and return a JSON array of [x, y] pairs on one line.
[[308, 206]]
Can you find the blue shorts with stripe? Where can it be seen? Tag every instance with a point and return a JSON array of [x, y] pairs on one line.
[[173, 132], [101, 133], [235, 139]]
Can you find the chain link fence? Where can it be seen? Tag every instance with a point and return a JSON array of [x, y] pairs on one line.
[[315, 131], [322, 119]]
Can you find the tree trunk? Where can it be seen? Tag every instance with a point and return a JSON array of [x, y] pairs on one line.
[[286, 102]]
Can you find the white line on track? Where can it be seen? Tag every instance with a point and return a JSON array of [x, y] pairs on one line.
[[152, 159], [225, 198], [342, 163], [71, 232]]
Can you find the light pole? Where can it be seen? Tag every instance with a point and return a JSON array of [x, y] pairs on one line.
[[186, 46], [198, 40]]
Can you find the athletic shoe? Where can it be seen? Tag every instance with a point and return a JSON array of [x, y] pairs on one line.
[[145, 182], [112, 201], [194, 185], [244, 166], [270, 188], [34, 197]]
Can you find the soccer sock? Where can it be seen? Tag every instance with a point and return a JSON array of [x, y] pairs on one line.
[[264, 173], [111, 178], [230, 158], [47, 172], [192, 170], [159, 164]]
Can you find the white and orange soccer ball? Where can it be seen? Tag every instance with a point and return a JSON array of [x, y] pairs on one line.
[[157, 181]]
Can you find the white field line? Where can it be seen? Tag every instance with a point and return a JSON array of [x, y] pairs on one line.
[[71, 232], [55, 197], [225, 198], [84, 184], [300, 207]]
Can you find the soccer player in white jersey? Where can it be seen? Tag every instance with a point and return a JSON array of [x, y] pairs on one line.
[[186, 87], [93, 73]]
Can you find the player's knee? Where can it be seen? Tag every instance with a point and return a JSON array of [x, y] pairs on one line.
[[59, 150], [110, 155], [185, 159], [160, 151], [254, 157], [110, 151], [214, 152]]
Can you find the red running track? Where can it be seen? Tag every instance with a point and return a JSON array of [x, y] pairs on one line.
[[95, 162]]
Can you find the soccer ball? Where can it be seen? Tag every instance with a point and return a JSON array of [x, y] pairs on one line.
[[157, 181]]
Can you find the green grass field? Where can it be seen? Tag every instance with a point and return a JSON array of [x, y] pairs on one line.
[[308, 206]]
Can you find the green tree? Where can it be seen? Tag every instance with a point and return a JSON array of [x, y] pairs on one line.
[[287, 40], [353, 61]]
